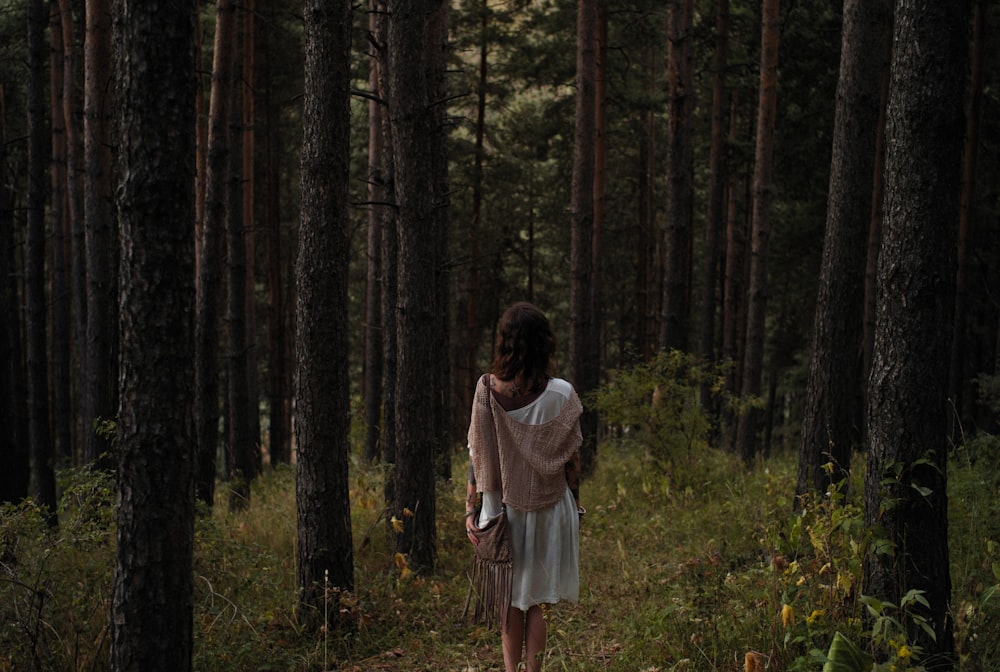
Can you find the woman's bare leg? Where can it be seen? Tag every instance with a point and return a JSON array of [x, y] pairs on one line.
[[534, 639], [512, 637]]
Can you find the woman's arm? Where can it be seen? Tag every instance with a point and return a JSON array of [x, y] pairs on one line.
[[573, 478], [470, 493], [470, 506]]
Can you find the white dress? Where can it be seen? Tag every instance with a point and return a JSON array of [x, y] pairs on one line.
[[546, 543]]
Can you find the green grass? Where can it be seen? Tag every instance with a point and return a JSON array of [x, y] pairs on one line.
[[683, 572]]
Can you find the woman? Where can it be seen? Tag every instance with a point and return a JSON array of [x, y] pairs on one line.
[[524, 448]]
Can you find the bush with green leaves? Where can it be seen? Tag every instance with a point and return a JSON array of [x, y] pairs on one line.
[[55, 583], [658, 405]]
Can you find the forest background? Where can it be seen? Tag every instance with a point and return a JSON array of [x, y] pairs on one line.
[[509, 109]]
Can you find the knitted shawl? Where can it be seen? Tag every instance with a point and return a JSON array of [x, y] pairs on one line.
[[528, 461]]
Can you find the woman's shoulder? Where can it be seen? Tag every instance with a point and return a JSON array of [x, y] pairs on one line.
[[560, 386]]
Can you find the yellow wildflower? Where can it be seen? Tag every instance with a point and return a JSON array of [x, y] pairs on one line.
[[397, 525], [751, 662], [407, 512], [845, 582], [904, 652], [787, 615], [814, 616], [402, 565]]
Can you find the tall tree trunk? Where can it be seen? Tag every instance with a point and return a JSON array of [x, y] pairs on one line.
[[373, 368], [211, 251], [15, 477], [151, 606], [414, 131], [62, 411], [747, 439], [583, 351], [40, 435], [201, 145], [325, 558], [437, 95], [249, 128], [877, 213], [645, 237], [469, 304], [831, 427], [907, 413], [967, 218], [390, 304], [676, 323], [240, 444], [714, 219], [390, 256], [279, 443], [648, 297], [74, 208], [733, 285], [101, 395], [600, 178]]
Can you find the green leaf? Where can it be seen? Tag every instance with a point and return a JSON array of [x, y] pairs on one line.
[[914, 595], [844, 656]]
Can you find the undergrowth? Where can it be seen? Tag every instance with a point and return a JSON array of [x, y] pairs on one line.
[[688, 562]]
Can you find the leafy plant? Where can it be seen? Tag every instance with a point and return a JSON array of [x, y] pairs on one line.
[[844, 656], [713, 573], [657, 405], [55, 584]]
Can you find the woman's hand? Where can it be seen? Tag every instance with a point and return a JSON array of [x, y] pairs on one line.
[[470, 524]]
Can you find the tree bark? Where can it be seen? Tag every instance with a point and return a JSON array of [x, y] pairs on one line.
[[470, 306], [249, 131], [714, 218], [906, 479], [240, 444], [831, 427], [584, 352], [325, 556], [15, 478], [39, 429], [62, 346], [733, 285], [390, 261], [440, 370], [877, 213], [279, 434], [211, 251], [675, 324], [967, 220], [373, 354], [101, 395], [413, 133], [647, 292], [74, 215], [152, 600], [763, 191], [600, 179], [201, 146]]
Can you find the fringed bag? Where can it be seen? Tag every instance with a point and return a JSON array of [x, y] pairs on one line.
[[492, 572]]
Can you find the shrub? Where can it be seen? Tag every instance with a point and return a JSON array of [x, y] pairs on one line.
[[657, 405], [55, 583]]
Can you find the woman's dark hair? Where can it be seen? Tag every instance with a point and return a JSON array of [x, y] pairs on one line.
[[525, 344]]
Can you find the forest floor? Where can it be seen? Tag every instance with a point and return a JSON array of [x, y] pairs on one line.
[[701, 565], [695, 569]]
